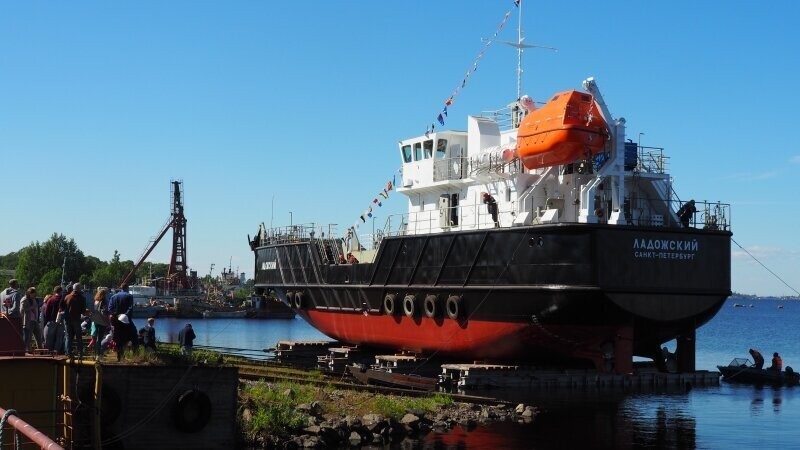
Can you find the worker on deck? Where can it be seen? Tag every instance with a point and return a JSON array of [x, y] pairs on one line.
[[758, 360], [777, 363], [491, 207], [351, 259], [686, 212]]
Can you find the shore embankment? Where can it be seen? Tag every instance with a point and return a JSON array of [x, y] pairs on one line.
[[291, 408], [290, 415]]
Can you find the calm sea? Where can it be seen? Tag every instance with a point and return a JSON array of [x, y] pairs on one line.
[[728, 416]]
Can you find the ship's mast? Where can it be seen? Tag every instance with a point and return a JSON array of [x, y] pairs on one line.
[[519, 50]]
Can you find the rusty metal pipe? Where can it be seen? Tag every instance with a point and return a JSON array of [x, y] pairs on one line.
[[27, 430]]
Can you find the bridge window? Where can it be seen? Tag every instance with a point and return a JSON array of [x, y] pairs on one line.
[[407, 153], [441, 148], [428, 147], [417, 152]]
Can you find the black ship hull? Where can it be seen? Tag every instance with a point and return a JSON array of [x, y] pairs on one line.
[[563, 293]]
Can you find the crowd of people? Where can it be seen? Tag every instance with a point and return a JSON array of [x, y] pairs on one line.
[[58, 322]]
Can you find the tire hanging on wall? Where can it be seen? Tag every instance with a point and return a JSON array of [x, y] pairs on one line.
[[192, 411], [298, 300], [431, 306], [454, 307], [290, 298], [389, 304], [410, 305]]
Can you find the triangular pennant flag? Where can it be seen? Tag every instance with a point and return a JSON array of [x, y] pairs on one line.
[[449, 101], [363, 219], [389, 186], [440, 119], [445, 111]]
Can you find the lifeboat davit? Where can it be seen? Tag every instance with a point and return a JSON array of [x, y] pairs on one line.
[[569, 127]]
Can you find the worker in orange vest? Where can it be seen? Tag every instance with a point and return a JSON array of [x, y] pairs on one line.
[[777, 362]]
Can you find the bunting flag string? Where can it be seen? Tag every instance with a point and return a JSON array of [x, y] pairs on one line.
[[377, 201], [470, 71]]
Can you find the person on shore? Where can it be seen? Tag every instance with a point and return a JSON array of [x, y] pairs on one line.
[[186, 339], [491, 207], [29, 307], [122, 335], [10, 298], [758, 359], [53, 329], [122, 303], [148, 333], [74, 310], [777, 363], [686, 212], [99, 321]]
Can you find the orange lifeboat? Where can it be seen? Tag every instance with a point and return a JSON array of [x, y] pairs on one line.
[[569, 127]]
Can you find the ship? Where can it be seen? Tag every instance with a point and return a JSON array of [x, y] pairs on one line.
[[539, 235]]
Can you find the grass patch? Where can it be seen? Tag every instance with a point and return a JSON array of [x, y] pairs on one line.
[[274, 406], [396, 407]]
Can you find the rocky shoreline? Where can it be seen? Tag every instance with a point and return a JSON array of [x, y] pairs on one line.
[[323, 423]]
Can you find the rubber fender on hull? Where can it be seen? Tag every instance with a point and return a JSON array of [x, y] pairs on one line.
[[389, 306], [192, 411], [431, 306], [454, 307], [290, 298], [410, 305], [298, 300]]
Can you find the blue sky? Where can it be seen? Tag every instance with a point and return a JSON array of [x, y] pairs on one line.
[[102, 104]]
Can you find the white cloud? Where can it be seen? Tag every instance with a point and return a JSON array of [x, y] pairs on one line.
[[759, 252], [742, 176]]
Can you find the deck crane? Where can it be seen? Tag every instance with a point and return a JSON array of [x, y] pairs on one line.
[[176, 274]]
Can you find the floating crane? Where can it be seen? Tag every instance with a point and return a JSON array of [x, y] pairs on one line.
[[176, 274]]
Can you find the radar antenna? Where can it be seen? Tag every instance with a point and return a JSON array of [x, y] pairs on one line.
[[520, 47]]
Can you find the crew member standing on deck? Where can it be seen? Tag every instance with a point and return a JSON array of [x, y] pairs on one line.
[[491, 206], [686, 212]]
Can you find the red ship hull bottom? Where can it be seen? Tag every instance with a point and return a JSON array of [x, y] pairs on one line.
[[607, 348]]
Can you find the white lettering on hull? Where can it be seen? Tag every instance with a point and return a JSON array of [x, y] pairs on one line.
[[665, 248]]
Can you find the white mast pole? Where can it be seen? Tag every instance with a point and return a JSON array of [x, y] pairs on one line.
[[519, 50]]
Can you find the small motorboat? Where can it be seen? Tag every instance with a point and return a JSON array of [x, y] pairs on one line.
[[741, 370]]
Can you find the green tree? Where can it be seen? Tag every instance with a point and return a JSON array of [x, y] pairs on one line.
[[9, 261], [111, 274], [58, 252], [48, 281]]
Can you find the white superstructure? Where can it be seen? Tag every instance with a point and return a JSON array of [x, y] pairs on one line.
[[444, 175]]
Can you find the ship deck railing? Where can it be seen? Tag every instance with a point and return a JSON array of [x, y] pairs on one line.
[[709, 216]]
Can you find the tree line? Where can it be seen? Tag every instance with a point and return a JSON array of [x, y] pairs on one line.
[[59, 261]]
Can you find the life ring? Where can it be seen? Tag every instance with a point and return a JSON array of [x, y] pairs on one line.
[[388, 304], [454, 310], [431, 306], [192, 411], [410, 305], [298, 300]]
